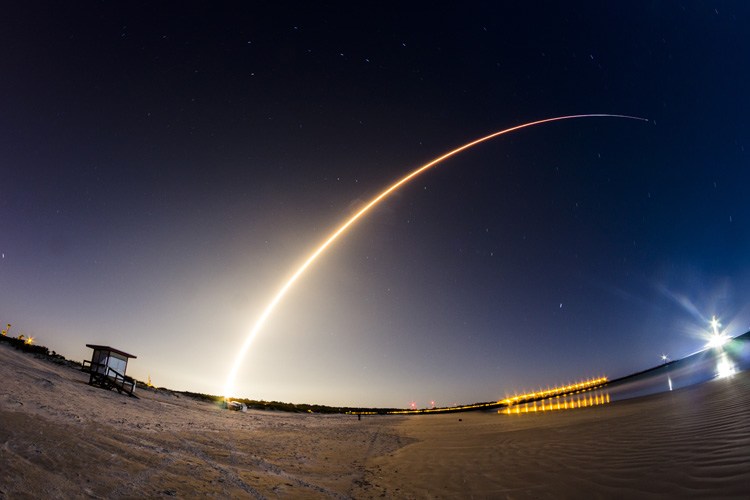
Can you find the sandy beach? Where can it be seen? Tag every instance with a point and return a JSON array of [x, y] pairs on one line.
[[62, 438]]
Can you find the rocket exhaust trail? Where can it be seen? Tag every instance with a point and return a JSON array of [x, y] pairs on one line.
[[229, 386]]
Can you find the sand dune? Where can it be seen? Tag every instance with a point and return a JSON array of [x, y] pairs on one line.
[[62, 438]]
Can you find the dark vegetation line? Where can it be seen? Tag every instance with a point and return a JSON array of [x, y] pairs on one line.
[[40, 351]]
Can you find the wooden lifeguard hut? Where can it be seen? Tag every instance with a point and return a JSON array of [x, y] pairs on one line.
[[107, 369]]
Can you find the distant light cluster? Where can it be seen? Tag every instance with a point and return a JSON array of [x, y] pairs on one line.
[[556, 391], [554, 398], [567, 402], [565, 397]]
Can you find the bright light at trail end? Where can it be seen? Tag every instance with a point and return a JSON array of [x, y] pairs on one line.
[[229, 386]]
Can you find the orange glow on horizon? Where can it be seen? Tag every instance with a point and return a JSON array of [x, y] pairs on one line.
[[229, 386]]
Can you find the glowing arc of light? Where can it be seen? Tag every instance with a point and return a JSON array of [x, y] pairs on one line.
[[228, 388]]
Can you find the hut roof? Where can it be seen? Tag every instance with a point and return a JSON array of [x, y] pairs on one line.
[[110, 349]]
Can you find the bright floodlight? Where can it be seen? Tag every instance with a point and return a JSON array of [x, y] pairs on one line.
[[717, 339]]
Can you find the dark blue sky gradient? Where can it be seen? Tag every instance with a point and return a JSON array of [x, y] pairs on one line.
[[164, 167]]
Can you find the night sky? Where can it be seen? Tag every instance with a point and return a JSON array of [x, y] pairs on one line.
[[165, 166]]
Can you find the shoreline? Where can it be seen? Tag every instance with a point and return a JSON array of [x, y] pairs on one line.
[[62, 437]]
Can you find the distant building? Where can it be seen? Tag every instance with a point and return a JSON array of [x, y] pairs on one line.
[[107, 369]]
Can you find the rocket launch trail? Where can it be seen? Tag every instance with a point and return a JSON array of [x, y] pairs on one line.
[[279, 295]]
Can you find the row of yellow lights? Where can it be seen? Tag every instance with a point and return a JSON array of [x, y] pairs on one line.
[[586, 385], [557, 403], [556, 391]]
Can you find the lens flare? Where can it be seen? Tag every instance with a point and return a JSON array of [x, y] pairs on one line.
[[229, 386], [717, 339]]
